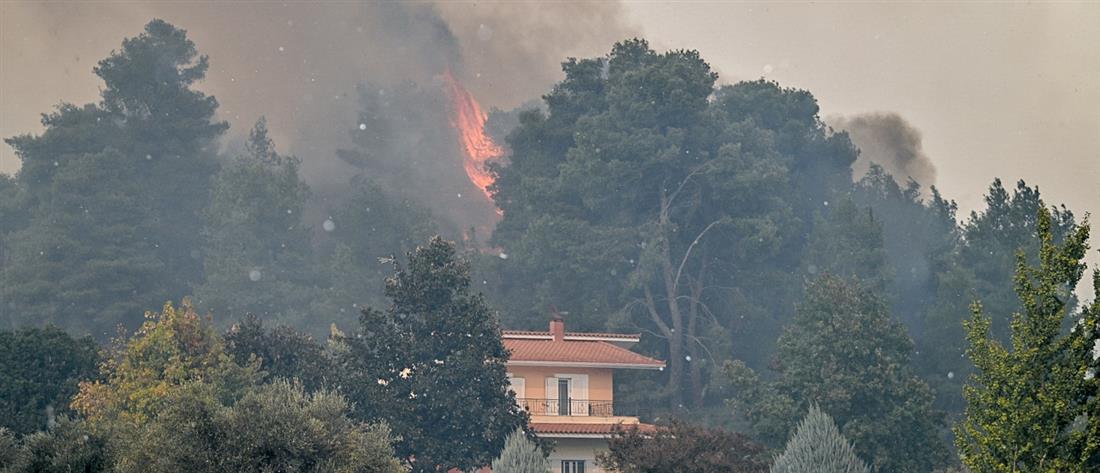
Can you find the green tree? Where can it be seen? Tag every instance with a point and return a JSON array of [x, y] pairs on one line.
[[114, 191], [9, 449], [370, 226], [843, 352], [432, 365], [282, 352], [980, 268], [39, 372], [992, 239], [682, 448], [1032, 405], [646, 192], [818, 447], [847, 241], [172, 349], [69, 446], [88, 260], [521, 455], [257, 251], [272, 427]]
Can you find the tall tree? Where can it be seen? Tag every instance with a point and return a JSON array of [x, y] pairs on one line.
[[1032, 406], [847, 241], [369, 227], [115, 191], [432, 365], [39, 372], [635, 193], [992, 239], [843, 352], [88, 260], [981, 268], [257, 251], [817, 446], [919, 235]]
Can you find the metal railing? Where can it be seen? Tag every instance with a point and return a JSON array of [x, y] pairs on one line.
[[570, 407]]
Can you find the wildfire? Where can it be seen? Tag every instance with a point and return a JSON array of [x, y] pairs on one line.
[[468, 118]]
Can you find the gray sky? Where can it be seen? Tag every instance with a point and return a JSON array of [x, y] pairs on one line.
[[997, 90]]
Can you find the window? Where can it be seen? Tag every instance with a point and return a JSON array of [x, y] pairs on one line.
[[518, 386], [572, 466]]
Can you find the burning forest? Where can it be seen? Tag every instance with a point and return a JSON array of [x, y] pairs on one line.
[[443, 236]]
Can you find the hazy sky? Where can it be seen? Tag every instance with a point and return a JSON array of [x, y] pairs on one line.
[[997, 90]]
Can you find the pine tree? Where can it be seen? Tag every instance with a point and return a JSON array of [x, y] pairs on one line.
[[257, 253], [1032, 406], [818, 447], [114, 191], [521, 455], [847, 242]]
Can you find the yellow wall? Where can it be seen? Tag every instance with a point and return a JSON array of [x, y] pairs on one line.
[[599, 381]]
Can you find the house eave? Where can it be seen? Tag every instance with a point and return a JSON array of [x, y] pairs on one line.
[[581, 364]]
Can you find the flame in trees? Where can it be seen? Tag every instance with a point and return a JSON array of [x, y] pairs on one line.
[[468, 118]]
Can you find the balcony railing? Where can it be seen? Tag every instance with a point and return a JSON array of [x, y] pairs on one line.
[[571, 407]]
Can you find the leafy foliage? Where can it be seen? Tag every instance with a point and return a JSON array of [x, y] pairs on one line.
[[818, 447], [432, 365], [282, 353], [272, 427], [39, 372], [521, 455], [69, 446], [1032, 406], [636, 194], [682, 448], [172, 349], [844, 353]]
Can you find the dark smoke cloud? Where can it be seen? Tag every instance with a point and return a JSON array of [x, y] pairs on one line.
[[300, 65], [890, 141]]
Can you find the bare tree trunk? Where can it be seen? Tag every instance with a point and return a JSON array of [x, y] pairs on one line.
[[694, 344], [676, 319]]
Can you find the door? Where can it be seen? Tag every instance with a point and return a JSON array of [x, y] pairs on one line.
[[564, 407], [567, 395]]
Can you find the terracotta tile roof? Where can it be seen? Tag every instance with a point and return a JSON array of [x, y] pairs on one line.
[[576, 353], [635, 337], [586, 429]]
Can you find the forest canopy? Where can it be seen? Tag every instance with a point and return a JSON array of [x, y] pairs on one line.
[[801, 308]]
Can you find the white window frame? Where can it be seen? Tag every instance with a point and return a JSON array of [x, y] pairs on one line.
[[578, 393]]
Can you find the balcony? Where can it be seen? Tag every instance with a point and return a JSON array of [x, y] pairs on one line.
[[571, 407]]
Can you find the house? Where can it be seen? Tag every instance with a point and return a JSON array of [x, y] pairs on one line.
[[565, 381]]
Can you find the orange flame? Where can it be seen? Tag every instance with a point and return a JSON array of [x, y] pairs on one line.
[[468, 118]]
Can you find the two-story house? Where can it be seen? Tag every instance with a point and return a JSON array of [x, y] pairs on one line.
[[565, 381]]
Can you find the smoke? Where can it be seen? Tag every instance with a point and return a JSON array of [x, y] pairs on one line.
[[306, 67], [890, 141]]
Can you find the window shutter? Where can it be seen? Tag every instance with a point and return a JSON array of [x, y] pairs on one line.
[[578, 391], [551, 396]]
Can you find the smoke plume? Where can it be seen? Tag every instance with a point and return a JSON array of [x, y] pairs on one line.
[[308, 66], [890, 141]]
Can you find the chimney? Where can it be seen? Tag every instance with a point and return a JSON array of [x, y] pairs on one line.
[[557, 328]]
